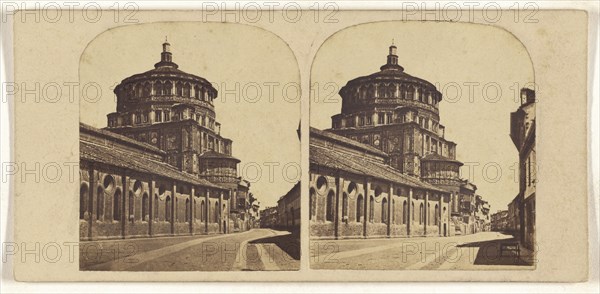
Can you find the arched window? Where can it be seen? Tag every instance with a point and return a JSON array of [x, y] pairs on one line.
[[401, 92], [100, 204], [168, 88], [176, 214], [344, 206], [217, 216], [179, 89], [83, 201], [359, 208], [187, 210], [421, 213], [444, 214], [187, 90], [404, 213], [147, 89], [155, 206], [145, 211], [138, 90], [202, 211], [371, 209], [106, 206], [195, 211], [428, 214], [130, 91], [410, 94], [131, 207], [158, 88], [437, 215], [384, 211], [371, 91], [312, 203], [197, 92], [393, 216], [330, 209], [117, 205], [413, 211], [168, 209]]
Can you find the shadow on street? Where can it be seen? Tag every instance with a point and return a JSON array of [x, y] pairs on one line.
[[289, 243], [489, 253]]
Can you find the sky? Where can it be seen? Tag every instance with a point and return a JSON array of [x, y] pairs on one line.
[[255, 72], [458, 58]]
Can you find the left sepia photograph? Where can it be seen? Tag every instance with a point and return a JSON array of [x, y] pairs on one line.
[[191, 159]]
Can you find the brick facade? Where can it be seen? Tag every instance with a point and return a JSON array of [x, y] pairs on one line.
[[390, 120], [161, 166]]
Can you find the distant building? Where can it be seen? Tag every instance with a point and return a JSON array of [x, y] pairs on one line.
[[269, 217], [288, 209], [499, 221], [254, 213], [522, 132], [514, 216], [240, 206], [482, 215], [464, 217]]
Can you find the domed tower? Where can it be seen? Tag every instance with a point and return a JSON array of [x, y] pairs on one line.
[[174, 111], [398, 114]]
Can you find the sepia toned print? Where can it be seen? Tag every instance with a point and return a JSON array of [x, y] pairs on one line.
[[369, 145], [164, 177], [386, 171]]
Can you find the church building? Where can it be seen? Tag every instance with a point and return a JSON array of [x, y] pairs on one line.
[[161, 167], [385, 168]]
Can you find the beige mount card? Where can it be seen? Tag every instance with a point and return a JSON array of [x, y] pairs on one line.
[[311, 145]]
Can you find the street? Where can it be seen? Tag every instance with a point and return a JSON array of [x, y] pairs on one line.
[[257, 249], [479, 251]]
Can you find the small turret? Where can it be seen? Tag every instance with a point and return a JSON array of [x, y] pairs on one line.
[[392, 59], [166, 57]]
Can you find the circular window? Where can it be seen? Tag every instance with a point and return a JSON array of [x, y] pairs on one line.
[[351, 188], [321, 184], [137, 187], [109, 183], [377, 191]]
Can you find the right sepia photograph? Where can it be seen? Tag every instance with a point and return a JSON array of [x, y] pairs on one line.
[[422, 149]]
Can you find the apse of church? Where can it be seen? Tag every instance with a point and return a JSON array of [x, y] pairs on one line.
[[399, 114], [161, 166], [387, 143], [174, 111]]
